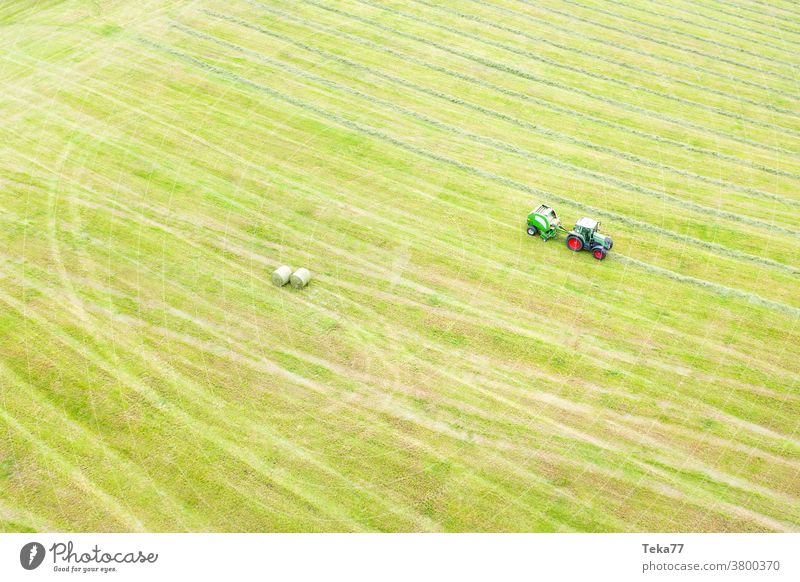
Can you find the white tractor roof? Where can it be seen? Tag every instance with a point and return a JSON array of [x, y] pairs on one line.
[[588, 223]]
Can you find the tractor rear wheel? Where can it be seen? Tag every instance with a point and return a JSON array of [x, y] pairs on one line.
[[574, 243], [599, 253], [532, 231]]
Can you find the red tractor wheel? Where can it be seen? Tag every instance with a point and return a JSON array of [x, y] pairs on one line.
[[599, 253], [574, 243]]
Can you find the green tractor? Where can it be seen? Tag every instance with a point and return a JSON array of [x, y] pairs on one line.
[[543, 221], [585, 236]]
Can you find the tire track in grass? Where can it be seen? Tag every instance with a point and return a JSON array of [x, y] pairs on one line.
[[695, 69], [264, 365], [611, 61], [523, 74], [186, 382], [667, 30], [18, 516], [491, 142], [386, 405], [204, 431], [541, 194], [245, 455], [750, 29], [559, 427], [508, 118], [111, 505], [122, 466], [456, 101], [660, 41], [550, 106]]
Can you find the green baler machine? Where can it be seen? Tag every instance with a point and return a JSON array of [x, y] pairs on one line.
[[543, 221]]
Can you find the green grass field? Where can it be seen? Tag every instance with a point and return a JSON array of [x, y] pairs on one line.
[[443, 371]]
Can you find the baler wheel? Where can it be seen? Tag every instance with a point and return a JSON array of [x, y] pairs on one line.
[[532, 231], [574, 243]]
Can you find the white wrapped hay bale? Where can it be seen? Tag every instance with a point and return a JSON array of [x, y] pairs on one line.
[[281, 275], [300, 278]]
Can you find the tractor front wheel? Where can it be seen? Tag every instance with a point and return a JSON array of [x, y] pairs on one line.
[[574, 243], [532, 231], [599, 253]]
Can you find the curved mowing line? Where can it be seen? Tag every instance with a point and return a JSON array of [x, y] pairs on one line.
[[659, 41], [681, 33], [258, 363], [490, 142], [683, 64], [120, 460], [202, 429], [668, 16], [640, 70], [542, 103], [539, 193], [110, 504], [527, 76], [498, 115]]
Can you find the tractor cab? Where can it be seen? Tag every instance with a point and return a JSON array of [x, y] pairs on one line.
[[586, 227]]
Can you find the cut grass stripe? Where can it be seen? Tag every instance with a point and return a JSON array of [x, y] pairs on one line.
[[669, 30], [695, 69], [494, 143], [659, 41], [514, 71], [541, 103], [634, 68], [519, 186], [749, 29], [715, 287], [760, 12], [507, 118]]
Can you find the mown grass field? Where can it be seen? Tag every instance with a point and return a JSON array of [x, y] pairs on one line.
[[444, 371]]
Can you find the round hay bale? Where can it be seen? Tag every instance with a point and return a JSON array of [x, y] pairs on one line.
[[281, 275], [300, 278]]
